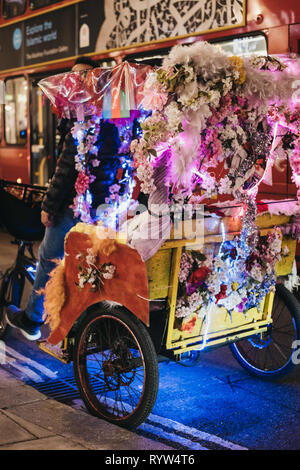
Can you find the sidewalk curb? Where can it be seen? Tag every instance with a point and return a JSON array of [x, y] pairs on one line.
[[31, 421]]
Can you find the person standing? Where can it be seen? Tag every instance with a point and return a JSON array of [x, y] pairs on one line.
[[56, 214]]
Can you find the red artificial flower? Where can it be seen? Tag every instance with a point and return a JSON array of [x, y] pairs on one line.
[[222, 293], [251, 260], [119, 174], [199, 275], [56, 111], [261, 207], [189, 326]]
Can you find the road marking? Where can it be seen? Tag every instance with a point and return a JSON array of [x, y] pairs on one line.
[[30, 362], [25, 370], [171, 437], [151, 426], [193, 432]]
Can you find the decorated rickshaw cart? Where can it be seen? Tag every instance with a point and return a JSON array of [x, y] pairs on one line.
[[207, 263]]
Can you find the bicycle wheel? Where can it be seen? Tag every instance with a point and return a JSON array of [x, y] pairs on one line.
[[270, 355], [10, 293], [116, 368]]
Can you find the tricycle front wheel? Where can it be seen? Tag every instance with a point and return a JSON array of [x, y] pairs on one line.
[[116, 368], [271, 355]]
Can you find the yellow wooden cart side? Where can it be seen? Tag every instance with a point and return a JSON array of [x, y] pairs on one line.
[[218, 328]]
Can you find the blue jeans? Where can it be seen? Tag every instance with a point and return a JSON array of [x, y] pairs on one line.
[[52, 247]]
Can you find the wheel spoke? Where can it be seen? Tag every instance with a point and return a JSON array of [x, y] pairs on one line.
[[111, 368]]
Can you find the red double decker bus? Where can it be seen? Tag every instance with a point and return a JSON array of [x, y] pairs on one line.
[[42, 37]]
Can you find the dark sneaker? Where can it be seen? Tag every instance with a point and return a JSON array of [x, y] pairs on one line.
[[18, 319]]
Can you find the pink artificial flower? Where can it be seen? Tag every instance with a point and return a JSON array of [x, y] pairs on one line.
[[155, 101], [82, 183]]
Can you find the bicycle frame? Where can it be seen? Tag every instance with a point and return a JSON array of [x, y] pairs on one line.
[[25, 265]]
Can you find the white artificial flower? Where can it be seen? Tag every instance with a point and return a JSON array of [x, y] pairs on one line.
[[256, 272], [190, 91], [190, 72], [215, 97], [81, 281], [174, 116], [224, 185], [285, 251], [231, 301]]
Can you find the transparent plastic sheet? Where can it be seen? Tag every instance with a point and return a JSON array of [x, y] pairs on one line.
[[107, 92]]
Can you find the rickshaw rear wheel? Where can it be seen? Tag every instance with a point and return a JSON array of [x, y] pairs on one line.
[[116, 367], [271, 355]]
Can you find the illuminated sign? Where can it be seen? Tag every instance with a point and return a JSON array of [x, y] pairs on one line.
[[50, 36], [40, 39], [17, 39]]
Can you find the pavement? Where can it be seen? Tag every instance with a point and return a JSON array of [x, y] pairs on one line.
[[31, 421]]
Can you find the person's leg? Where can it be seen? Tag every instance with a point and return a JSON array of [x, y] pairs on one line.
[[51, 248]]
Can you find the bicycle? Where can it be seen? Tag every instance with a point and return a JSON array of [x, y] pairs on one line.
[[20, 215], [13, 280]]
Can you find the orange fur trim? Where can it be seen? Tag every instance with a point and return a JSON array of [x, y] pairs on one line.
[[107, 246], [55, 295]]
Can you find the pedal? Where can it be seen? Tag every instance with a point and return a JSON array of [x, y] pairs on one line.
[[56, 350]]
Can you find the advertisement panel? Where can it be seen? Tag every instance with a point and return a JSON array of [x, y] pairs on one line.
[[43, 38], [12, 46], [137, 22], [99, 25]]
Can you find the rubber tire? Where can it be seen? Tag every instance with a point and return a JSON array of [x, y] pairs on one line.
[[151, 366], [294, 309]]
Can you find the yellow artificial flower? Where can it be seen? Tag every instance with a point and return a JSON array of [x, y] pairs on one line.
[[234, 285], [237, 61], [238, 64]]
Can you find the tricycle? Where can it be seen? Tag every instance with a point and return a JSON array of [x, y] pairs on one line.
[[203, 130], [116, 346]]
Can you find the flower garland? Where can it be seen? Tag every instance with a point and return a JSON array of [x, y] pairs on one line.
[[289, 120], [119, 201], [85, 136], [235, 279], [211, 112]]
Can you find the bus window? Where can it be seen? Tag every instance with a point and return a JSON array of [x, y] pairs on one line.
[[241, 46], [12, 8], [43, 143], [35, 4], [15, 111], [153, 58], [245, 46]]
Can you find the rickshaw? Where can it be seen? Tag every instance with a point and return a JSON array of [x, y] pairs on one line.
[[115, 353], [117, 326]]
